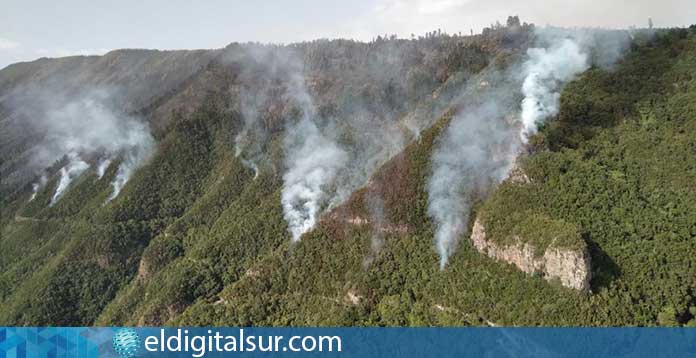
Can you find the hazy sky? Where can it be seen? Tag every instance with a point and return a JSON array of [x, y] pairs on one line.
[[36, 28]]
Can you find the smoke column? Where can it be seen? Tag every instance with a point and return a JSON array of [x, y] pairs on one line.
[[547, 70], [83, 127], [312, 159], [136, 155], [375, 206], [264, 70], [474, 151], [479, 147], [37, 186], [68, 173], [251, 136], [250, 139], [103, 166], [363, 130], [313, 162]]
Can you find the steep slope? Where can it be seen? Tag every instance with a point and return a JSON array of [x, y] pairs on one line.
[[195, 238], [600, 177], [134, 79], [621, 168], [194, 219], [68, 275]]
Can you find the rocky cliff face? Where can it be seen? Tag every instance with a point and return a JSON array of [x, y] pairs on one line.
[[570, 267]]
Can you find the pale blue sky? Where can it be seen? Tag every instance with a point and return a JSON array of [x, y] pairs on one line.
[[35, 28]]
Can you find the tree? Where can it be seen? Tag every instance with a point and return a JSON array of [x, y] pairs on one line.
[[513, 21], [668, 317]]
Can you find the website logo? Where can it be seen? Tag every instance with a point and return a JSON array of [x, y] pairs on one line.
[[126, 342]]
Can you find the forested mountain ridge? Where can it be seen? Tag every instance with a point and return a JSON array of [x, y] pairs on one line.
[[197, 236]]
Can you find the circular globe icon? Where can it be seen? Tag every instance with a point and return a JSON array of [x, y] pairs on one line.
[[126, 342]]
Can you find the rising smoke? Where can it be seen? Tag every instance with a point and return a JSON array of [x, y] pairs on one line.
[[479, 147], [375, 207], [102, 167], [247, 143], [35, 187], [476, 150], [82, 128], [547, 70], [133, 157], [68, 173], [365, 124], [326, 156], [313, 163], [312, 160], [273, 94], [259, 79]]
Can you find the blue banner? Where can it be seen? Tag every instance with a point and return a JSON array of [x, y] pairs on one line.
[[347, 342]]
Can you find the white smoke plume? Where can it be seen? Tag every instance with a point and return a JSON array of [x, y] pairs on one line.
[[475, 150], [479, 147], [313, 162], [375, 206], [248, 142], [68, 173], [361, 109], [37, 186], [562, 56], [272, 88], [133, 158], [102, 167], [262, 80], [547, 70], [85, 127], [312, 159]]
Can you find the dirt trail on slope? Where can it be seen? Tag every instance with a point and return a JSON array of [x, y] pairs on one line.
[[19, 219]]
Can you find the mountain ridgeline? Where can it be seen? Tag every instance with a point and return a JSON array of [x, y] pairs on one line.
[[522, 176]]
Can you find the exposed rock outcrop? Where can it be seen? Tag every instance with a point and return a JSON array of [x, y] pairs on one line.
[[570, 266], [353, 297], [517, 175], [143, 270]]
